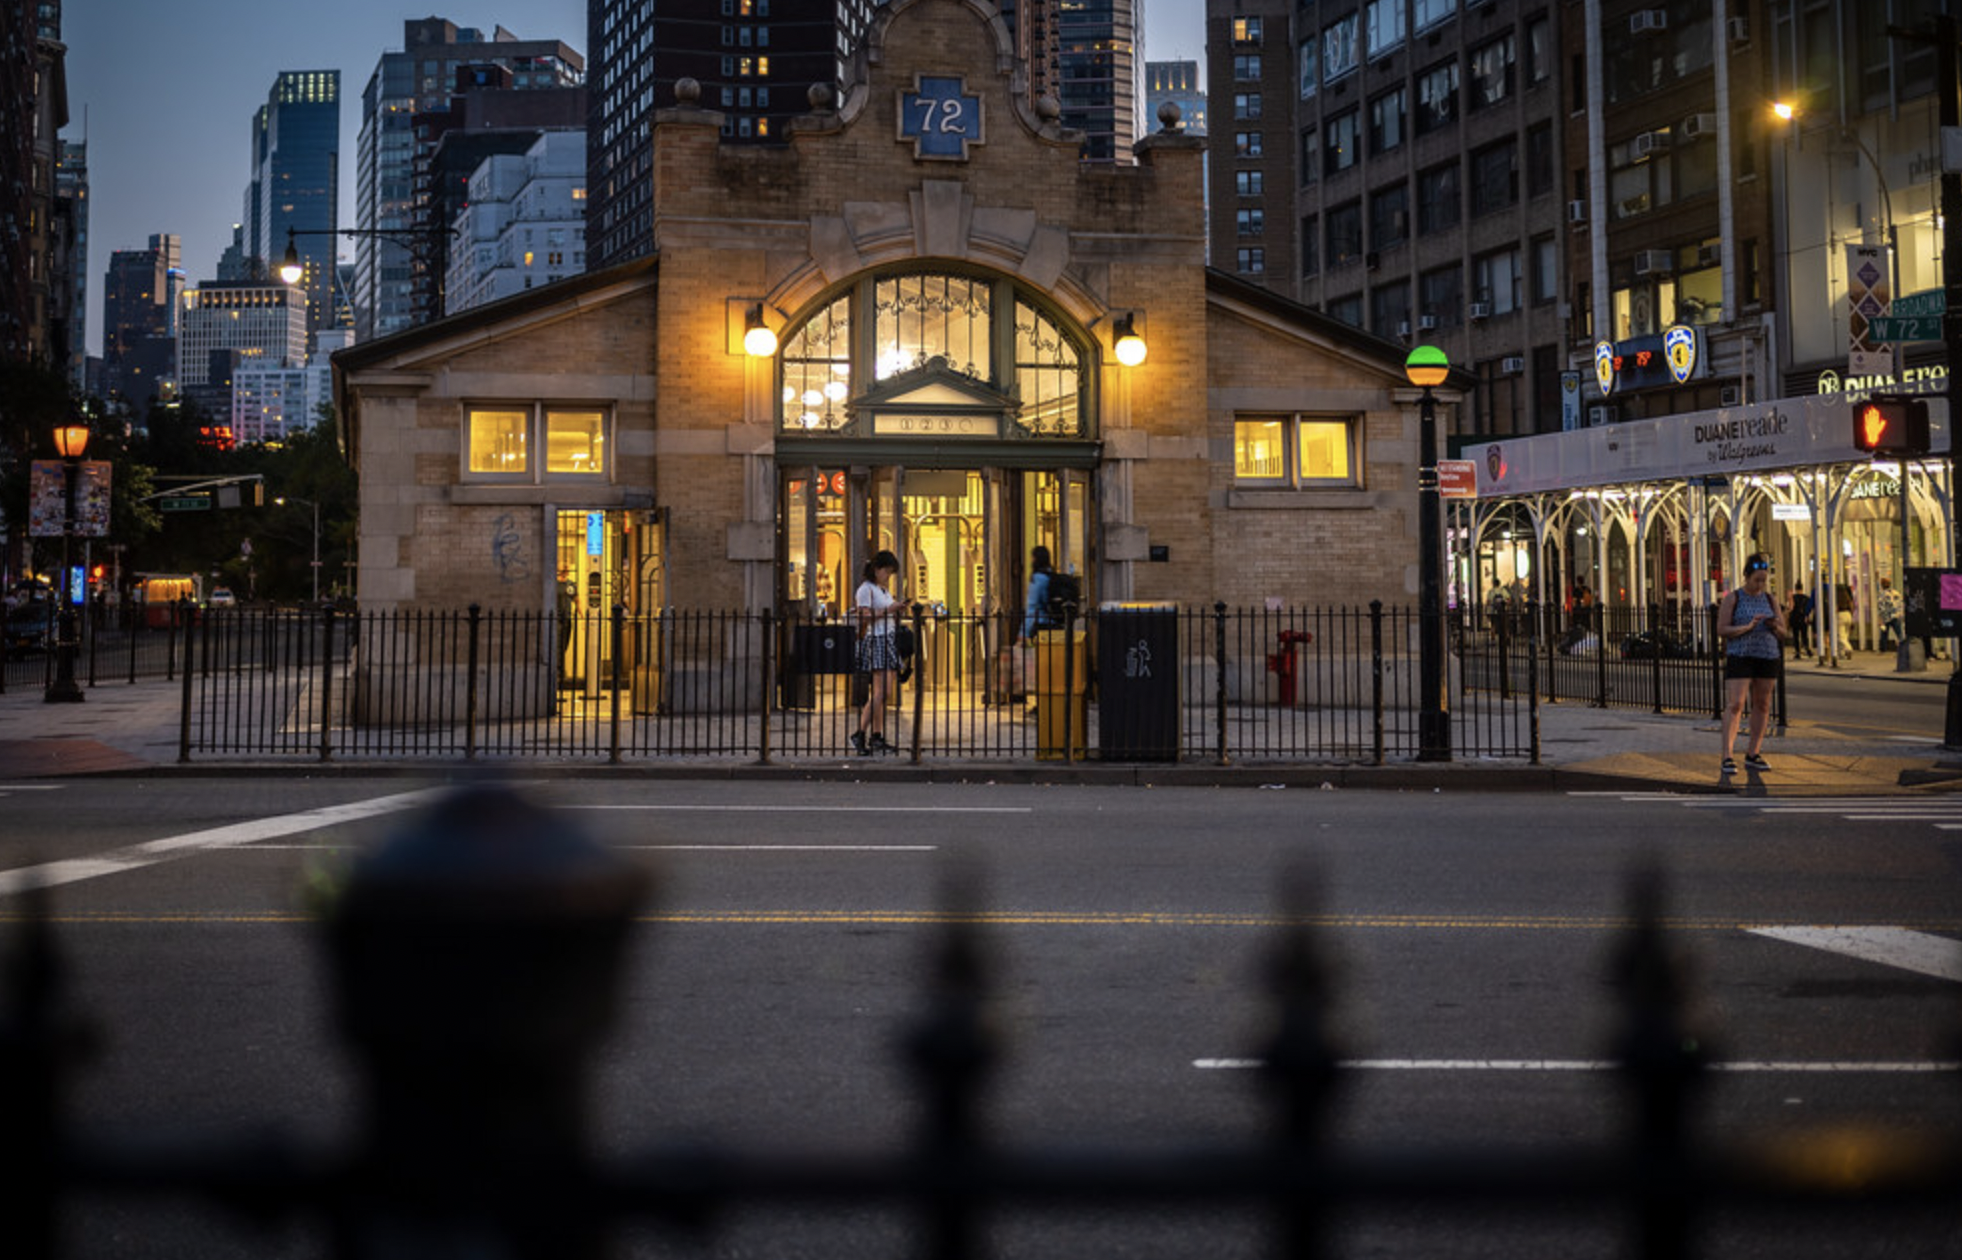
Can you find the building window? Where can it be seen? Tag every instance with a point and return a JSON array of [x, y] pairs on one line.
[[1389, 217], [1249, 183], [1341, 147], [1437, 97], [1428, 13], [1246, 30], [1539, 50], [1251, 261], [1311, 245], [1438, 204], [1246, 144], [1295, 452], [1311, 62], [1382, 26], [1546, 270], [1246, 106], [1246, 67], [1495, 280], [1386, 121], [499, 442], [1311, 157], [1345, 234], [1539, 159], [1389, 310], [1348, 310], [1491, 71], [1495, 178], [1340, 50], [1441, 295], [1250, 222]]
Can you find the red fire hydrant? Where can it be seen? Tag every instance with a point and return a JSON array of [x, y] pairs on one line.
[[1281, 663]]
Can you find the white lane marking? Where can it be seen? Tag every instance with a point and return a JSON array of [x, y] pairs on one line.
[[137, 856], [820, 809], [1587, 1065], [1889, 946], [781, 848], [32, 787]]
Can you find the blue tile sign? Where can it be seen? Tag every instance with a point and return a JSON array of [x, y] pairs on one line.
[[940, 119]]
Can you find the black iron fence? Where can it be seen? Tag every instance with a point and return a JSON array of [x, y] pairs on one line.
[[477, 962], [114, 644], [1122, 683]]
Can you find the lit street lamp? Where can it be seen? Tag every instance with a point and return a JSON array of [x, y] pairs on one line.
[[71, 440], [1426, 367], [316, 538], [416, 240]]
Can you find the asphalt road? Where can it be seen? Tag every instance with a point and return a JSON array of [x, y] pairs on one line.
[[1864, 708], [1127, 930]]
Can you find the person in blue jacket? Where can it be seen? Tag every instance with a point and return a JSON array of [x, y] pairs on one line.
[[1035, 608]]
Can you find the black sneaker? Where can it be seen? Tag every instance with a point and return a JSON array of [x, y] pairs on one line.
[[1729, 766], [858, 743], [905, 672], [879, 744], [1756, 762]]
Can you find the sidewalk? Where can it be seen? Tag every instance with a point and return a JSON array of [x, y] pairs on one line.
[[127, 729]]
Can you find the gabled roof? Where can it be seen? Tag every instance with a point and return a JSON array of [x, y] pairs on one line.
[[1318, 325], [935, 383]]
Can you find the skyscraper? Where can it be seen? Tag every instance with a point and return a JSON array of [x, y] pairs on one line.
[[33, 109], [68, 298], [756, 60], [296, 157], [234, 324], [139, 324], [416, 81], [1099, 63], [1176, 83]]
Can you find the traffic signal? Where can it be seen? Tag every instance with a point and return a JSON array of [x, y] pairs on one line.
[[1891, 424]]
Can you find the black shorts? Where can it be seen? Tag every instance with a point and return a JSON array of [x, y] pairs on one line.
[[1753, 667]]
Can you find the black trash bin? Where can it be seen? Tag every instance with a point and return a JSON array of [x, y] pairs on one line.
[[824, 647], [1138, 682]]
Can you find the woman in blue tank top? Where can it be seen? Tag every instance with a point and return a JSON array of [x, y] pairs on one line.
[[1753, 629]]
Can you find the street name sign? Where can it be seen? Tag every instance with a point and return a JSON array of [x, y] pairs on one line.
[[1886, 328], [185, 503]]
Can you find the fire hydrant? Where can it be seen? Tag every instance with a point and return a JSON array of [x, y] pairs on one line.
[[1281, 663]]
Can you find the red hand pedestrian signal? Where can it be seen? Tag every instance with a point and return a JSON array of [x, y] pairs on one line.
[[1891, 424]]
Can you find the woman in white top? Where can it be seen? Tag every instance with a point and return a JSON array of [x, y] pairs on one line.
[[878, 651]]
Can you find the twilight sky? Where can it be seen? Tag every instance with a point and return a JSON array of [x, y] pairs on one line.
[[164, 92]]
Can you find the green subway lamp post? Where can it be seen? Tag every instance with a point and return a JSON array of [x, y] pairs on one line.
[[1426, 368]]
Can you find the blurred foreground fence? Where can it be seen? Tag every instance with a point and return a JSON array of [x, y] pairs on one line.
[[476, 962]]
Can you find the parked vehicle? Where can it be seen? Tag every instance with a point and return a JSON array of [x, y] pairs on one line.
[[30, 628], [222, 597]]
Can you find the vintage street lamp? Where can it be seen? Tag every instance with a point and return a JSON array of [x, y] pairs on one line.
[[71, 440], [1129, 346], [1427, 367], [418, 241]]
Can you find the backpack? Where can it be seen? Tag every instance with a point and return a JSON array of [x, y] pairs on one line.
[[1064, 588]]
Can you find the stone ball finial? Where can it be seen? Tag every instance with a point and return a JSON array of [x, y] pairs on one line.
[[1171, 117], [821, 96], [1048, 108], [687, 91]]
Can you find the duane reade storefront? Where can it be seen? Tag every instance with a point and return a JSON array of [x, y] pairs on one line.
[[922, 324], [1661, 513]]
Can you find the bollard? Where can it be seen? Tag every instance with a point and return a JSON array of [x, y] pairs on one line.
[[477, 961]]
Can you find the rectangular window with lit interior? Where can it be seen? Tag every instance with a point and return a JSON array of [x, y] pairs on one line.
[[1294, 452]]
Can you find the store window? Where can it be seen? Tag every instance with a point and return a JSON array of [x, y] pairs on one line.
[[1294, 452], [501, 443]]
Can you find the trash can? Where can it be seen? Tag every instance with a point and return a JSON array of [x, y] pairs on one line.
[[1061, 685], [1138, 682], [825, 647]]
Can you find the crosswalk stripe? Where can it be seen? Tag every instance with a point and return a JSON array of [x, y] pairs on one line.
[[1919, 952]]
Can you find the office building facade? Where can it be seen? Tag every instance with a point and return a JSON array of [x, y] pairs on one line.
[[295, 186], [140, 294]]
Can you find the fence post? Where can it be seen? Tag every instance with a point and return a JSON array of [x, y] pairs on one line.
[[129, 631], [1219, 676], [919, 688], [1716, 665], [1376, 675], [327, 685], [1533, 687], [184, 713], [93, 621], [1600, 627], [170, 638], [764, 704], [619, 638], [1780, 697], [470, 686], [1501, 634]]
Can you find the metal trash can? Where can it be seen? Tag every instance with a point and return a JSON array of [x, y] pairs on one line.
[[1138, 682], [1061, 685], [825, 647]]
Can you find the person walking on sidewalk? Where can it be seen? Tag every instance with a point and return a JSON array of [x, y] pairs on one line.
[[1753, 630], [877, 652], [1799, 616]]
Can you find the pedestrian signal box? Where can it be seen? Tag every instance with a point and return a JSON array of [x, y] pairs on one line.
[[1891, 424]]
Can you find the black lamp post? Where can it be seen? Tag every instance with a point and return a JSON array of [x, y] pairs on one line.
[[70, 440], [1426, 367], [418, 241]]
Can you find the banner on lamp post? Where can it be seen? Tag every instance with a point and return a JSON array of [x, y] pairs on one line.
[[1868, 292], [47, 498]]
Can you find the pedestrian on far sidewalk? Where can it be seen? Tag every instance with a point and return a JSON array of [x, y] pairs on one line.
[[1891, 630], [1753, 629], [1798, 615]]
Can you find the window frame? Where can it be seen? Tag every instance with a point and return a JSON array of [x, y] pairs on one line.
[[1292, 426], [537, 434]]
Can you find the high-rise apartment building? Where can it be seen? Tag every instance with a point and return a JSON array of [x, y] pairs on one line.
[[1101, 66], [68, 298], [295, 184], [228, 325], [523, 223], [140, 293], [756, 61], [33, 109], [1398, 165], [421, 79]]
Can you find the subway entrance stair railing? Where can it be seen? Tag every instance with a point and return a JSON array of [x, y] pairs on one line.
[[476, 963]]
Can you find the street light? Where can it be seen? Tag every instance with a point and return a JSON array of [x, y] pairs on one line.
[[414, 239], [1427, 367], [71, 440], [316, 538]]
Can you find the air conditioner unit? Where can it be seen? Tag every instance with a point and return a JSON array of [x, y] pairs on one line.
[[1696, 126], [1647, 21], [1577, 212], [1479, 310], [1650, 142], [1730, 396], [1709, 255], [1740, 30], [1653, 262], [1427, 323], [1512, 365], [1600, 415], [1403, 329]]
